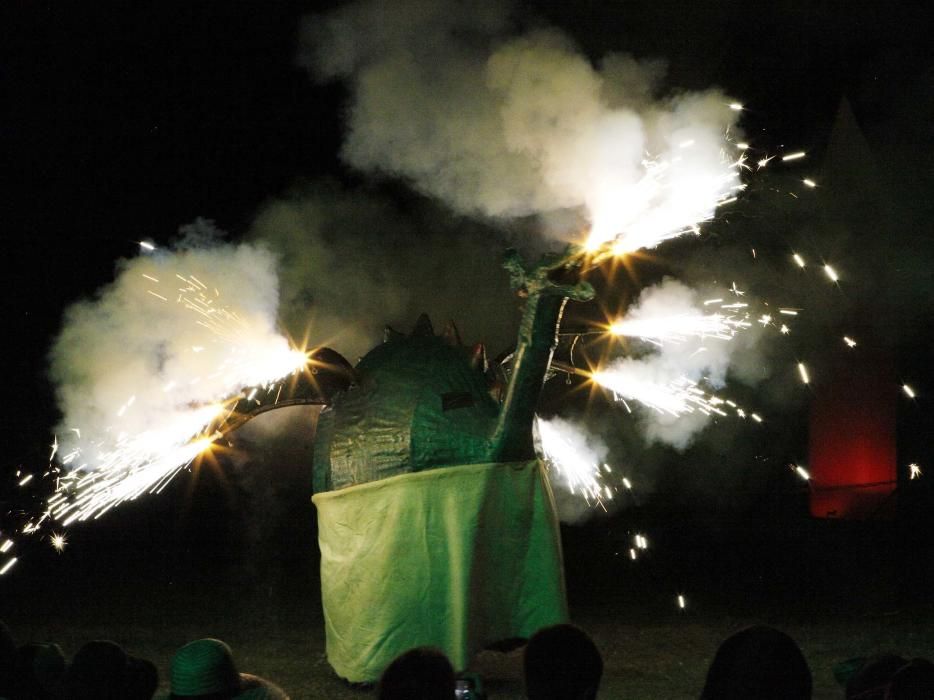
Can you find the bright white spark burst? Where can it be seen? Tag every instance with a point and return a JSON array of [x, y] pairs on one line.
[[831, 273], [679, 327], [909, 392], [799, 261], [802, 472], [123, 465], [850, 343], [914, 471], [675, 398], [580, 473], [58, 542], [674, 196]]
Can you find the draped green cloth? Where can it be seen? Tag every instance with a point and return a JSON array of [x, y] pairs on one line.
[[457, 558]]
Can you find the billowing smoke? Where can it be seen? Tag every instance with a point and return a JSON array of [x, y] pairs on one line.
[[138, 367], [352, 261], [503, 128], [576, 460], [650, 380], [509, 127]]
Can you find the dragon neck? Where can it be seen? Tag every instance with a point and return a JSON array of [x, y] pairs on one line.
[[538, 336]]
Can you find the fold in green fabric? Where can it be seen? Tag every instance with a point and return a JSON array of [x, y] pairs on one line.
[[457, 558]]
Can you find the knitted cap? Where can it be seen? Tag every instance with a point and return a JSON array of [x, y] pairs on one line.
[[203, 667]]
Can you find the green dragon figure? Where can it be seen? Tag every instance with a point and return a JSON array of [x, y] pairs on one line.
[[424, 401]]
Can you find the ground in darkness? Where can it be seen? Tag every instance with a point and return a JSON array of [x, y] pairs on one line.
[[152, 580]]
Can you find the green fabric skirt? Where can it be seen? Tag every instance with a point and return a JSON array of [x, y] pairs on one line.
[[456, 558]]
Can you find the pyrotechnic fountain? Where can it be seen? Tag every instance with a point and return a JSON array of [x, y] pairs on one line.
[[431, 503]]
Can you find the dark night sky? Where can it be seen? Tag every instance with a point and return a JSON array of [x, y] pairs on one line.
[[120, 122]]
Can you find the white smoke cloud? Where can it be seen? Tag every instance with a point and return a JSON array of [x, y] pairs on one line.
[[673, 362], [350, 262], [575, 457], [510, 127], [139, 359]]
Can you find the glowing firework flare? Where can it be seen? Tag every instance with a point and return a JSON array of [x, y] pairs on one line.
[[679, 327], [914, 471], [673, 197], [9, 565], [579, 473], [803, 372], [674, 398], [106, 470], [909, 392]]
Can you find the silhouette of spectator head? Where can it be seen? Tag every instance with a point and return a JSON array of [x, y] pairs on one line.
[[205, 669], [102, 670], [872, 678], [423, 673], [7, 658], [40, 672], [913, 681], [758, 662], [562, 663]]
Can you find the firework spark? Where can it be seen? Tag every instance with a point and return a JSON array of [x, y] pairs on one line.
[[674, 196], [9, 565], [677, 328], [144, 448], [563, 450], [803, 372], [674, 398]]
